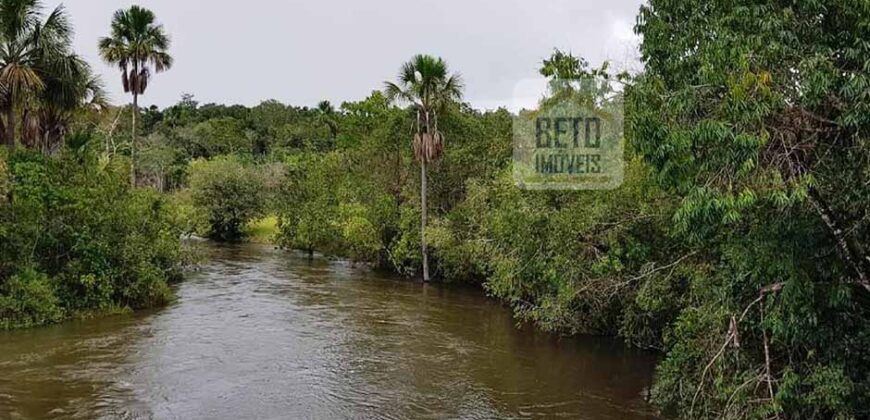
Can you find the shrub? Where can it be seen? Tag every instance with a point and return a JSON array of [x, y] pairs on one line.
[[74, 237], [28, 299], [229, 192]]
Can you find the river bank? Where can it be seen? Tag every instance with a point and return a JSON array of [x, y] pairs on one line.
[[258, 332]]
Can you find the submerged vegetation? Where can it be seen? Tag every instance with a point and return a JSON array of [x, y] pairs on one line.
[[737, 245]]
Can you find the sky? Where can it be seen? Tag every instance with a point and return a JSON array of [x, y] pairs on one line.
[[302, 52]]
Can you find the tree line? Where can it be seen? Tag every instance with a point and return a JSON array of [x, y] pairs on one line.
[[737, 245]]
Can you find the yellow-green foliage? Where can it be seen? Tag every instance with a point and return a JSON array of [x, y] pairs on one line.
[[262, 230], [4, 176], [190, 218], [28, 299], [360, 236]]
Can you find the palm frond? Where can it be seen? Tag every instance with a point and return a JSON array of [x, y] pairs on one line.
[[57, 28], [136, 45], [426, 82], [396, 93], [20, 79]]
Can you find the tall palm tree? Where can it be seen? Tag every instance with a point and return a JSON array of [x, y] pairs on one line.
[[428, 86], [137, 43], [326, 116], [30, 49]]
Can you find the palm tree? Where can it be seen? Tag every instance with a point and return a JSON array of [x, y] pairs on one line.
[[428, 86], [64, 94], [326, 116], [30, 50], [137, 44]]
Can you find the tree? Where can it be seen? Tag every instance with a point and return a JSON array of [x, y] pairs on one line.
[[426, 83], [229, 192], [55, 106], [137, 43], [756, 115], [31, 50], [224, 135], [310, 204], [326, 116]]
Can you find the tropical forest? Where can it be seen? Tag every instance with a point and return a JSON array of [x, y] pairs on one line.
[[376, 257]]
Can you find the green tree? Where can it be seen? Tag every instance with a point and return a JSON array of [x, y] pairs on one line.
[[327, 117], [309, 219], [221, 136], [229, 192], [756, 115], [76, 237], [157, 157], [32, 50], [426, 83], [137, 43]]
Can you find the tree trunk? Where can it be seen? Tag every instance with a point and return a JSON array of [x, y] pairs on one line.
[[423, 214], [133, 141], [10, 122]]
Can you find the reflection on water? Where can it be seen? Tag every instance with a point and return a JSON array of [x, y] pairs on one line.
[[260, 333]]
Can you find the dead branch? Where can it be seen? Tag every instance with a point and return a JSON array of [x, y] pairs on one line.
[[732, 335]]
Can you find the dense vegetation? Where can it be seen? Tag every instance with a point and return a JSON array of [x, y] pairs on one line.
[[737, 245], [755, 116], [75, 238]]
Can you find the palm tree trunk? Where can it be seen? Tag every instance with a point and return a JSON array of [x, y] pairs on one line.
[[423, 214], [10, 122], [133, 141]]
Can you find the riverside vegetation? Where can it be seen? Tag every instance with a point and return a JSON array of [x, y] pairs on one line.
[[737, 245]]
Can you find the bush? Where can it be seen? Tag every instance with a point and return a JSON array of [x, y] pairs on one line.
[[74, 237], [229, 193], [754, 114], [360, 236], [28, 299]]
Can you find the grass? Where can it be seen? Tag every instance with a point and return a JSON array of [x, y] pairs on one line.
[[262, 231]]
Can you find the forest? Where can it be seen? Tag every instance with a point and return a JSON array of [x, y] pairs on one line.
[[737, 246]]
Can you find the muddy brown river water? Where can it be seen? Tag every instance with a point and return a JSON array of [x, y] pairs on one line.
[[266, 334]]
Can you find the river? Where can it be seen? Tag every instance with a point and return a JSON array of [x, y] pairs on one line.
[[266, 334]]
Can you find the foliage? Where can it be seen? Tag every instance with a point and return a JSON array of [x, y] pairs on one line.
[[27, 299], [262, 230], [74, 238], [222, 136], [229, 192], [310, 212], [40, 75], [137, 44], [755, 115]]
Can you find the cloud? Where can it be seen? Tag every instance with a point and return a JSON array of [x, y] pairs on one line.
[[301, 52]]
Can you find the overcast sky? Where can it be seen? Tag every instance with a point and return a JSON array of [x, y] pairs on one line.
[[301, 52]]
